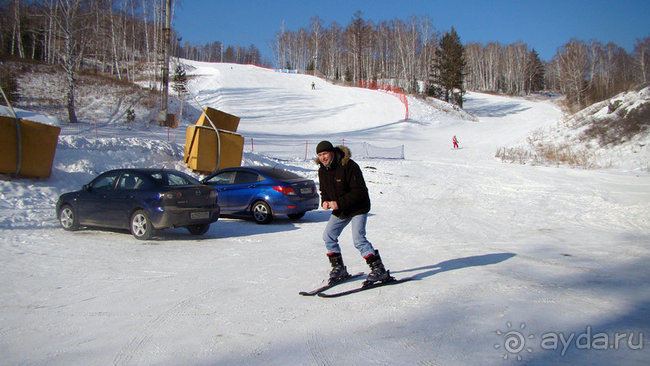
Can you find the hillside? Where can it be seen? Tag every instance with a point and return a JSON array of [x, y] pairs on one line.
[[613, 133], [610, 134]]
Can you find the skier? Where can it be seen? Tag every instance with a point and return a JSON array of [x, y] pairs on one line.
[[344, 191], [455, 141], [313, 85]]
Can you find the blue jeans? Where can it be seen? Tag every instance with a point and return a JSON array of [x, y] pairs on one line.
[[336, 225]]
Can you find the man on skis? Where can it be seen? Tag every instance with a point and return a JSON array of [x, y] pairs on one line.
[[343, 190]]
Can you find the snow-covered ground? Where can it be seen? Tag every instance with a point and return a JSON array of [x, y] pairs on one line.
[[514, 264]]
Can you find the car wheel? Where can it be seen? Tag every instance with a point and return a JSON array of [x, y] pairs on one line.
[[296, 216], [68, 218], [141, 226], [198, 229], [261, 212]]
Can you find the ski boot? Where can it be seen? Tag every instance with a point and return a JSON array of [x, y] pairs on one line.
[[339, 272], [377, 271]]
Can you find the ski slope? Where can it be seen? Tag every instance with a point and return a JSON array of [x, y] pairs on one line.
[[280, 104], [507, 258]]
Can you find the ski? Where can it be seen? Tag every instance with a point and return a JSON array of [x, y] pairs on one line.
[[330, 285], [366, 287]]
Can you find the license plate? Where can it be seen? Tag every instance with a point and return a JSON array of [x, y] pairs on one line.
[[305, 190], [200, 215]]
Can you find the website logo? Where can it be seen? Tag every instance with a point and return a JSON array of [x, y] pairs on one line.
[[516, 342]]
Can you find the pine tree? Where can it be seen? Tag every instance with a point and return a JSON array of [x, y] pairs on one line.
[[9, 86], [180, 87], [130, 115], [179, 79], [348, 75], [446, 74], [433, 84], [535, 70]]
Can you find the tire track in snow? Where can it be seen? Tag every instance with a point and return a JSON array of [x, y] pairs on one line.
[[137, 342], [317, 350]]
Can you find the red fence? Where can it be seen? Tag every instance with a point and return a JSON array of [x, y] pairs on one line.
[[398, 92]]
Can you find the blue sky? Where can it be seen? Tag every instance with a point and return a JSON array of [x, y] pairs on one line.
[[543, 25]]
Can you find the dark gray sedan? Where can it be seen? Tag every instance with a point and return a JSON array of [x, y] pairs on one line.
[[141, 200]]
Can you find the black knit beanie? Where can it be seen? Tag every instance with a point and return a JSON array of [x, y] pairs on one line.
[[324, 146]]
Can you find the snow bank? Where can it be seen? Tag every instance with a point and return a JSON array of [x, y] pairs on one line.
[[32, 116], [609, 134]]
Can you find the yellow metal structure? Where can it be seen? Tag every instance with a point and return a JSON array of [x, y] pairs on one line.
[[202, 146], [202, 149], [221, 120], [37, 144]]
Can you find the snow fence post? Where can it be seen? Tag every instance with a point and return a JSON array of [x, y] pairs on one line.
[[306, 145]]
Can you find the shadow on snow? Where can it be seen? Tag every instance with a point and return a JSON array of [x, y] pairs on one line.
[[458, 263]]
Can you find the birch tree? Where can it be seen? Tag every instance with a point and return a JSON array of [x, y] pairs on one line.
[[573, 67], [332, 51], [17, 33], [73, 50], [316, 27], [408, 45], [355, 38], [642, 57]]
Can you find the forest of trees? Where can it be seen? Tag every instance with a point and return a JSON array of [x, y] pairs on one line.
[[123, 38], [114, 37], [590, 72], [217, 52], [403, 52]]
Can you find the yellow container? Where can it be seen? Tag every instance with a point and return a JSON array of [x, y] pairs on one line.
[[202, 149], [38, 145], [221, 120]]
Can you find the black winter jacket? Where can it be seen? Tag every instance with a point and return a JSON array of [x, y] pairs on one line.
[[343, 182]]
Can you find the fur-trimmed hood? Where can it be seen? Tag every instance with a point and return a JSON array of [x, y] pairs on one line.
[[343, 155]]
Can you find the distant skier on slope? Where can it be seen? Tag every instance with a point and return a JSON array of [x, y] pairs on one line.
[[344, 191], [455, 141], [313, 85]]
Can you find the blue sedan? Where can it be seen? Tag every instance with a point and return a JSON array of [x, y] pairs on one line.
[[263, 192], [141, 200]]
